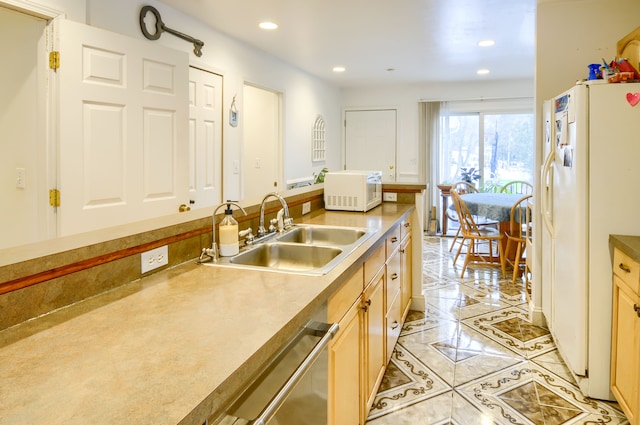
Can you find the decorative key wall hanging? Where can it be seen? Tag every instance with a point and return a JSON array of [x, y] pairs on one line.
[[160, 27]]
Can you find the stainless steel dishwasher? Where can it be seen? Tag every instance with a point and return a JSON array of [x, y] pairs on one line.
[[292, 388]]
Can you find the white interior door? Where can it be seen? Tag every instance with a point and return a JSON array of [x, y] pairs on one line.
[[205, 138], [261, 114], [22, 149], [370, 140], [123, 128]]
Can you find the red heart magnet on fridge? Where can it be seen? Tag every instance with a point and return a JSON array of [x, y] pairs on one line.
[[633, 98]]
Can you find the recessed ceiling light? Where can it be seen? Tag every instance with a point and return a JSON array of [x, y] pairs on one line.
[[482, 71], [339, 69], [486, 43], [268, 25]]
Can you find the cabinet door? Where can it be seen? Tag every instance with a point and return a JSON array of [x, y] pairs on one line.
[[374, 338], [406, 273], [394, 324], [344, 371], [625, 374]]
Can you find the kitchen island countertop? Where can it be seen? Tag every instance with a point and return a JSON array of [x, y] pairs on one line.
[[169, 348]]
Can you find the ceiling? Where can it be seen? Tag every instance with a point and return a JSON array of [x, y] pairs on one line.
[[383, 41]]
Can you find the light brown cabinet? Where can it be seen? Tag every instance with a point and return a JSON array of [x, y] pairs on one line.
[[344, 359], [625, 343], [373, 339], [370, 308], [406, 271]]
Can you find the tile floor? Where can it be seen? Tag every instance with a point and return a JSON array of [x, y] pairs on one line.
[[473, 357]]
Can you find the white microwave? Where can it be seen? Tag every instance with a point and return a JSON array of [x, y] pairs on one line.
[[352, 190]]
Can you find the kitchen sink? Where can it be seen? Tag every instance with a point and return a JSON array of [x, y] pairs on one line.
[[323, 235], [288, 257], [308, 249]]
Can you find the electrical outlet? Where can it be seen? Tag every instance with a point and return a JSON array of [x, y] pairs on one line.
[[155, 258], [390, 197], [306, 208]]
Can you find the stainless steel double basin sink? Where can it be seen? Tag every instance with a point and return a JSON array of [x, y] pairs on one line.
[[304, 249]]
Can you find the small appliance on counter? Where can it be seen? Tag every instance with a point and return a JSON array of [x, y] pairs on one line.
[[352, 190]]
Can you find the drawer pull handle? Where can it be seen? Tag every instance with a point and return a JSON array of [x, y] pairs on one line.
[[636, 308], [402, 251], [366, 305], [407, 224], [624, 268], [394, 239], [394, 276], [395, 324]]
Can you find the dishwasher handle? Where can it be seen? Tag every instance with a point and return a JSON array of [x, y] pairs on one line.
[[270, 410]]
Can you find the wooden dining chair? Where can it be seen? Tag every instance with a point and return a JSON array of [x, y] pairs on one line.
[[472, 235], [463, 187], [516, 235], [460, 187], [517, 186]]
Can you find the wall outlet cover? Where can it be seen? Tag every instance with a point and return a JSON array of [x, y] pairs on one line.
[[151, 260], [306, 208], [390, 197]]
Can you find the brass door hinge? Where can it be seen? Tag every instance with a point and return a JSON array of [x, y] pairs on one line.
[[54, 197], [54, 60]]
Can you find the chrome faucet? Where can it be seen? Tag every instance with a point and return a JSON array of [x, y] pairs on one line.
[[288, 221], [212, 252]]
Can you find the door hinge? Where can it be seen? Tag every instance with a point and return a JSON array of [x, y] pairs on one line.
[[54, 197], [54, 60]]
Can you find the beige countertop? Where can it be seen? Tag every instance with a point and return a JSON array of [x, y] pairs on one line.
[[169, 348], [628, 244]]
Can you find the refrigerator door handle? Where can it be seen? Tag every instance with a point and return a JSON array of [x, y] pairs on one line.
[[547, 191]]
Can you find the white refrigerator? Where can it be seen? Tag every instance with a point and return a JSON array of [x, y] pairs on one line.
[[589, 190]]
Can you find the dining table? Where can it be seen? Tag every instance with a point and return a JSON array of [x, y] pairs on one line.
[[493, 206]]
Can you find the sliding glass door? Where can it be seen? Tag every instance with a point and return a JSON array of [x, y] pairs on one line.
[[488, 148]]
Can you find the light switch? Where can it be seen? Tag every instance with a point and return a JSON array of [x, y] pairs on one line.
[[21, 178]]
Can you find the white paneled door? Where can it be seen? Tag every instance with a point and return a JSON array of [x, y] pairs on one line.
[[123, 128], [205, 138], [262, 153], [370, 139]]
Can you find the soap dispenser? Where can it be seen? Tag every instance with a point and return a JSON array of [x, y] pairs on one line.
[[228, 230]]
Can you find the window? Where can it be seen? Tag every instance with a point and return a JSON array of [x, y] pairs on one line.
[[499, 145], [318, 149]]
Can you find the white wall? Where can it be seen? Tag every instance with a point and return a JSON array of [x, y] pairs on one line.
[[572, 34], [406, 99], [305, 96]]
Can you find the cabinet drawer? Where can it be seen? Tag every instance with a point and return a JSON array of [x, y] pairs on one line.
[[405, 228], [344, 297], [393, 277], [373, 264], [627, 269], [393, 240], [394, 325]]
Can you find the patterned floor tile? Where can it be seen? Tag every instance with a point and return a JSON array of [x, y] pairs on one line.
[[406, 383], [511, 328], [433, 411], [473, 357], [534, 395]]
